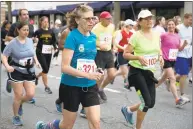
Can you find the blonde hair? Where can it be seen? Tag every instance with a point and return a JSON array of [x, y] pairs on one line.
[[120, 25], [77, 13]]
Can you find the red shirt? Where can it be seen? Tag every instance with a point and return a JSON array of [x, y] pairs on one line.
[[125, 39]]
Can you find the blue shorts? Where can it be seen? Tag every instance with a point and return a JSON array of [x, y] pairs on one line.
[[182, 66], [191, 62]]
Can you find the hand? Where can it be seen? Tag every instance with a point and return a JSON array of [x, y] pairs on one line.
[[38, 64], [104, 47], [185, 43], [56, 50], [94, 76], [161, 60], [10, 69], [143, 61], [36, 40], [124, 47]]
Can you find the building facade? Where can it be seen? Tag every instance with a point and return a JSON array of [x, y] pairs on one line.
[[128, 9]]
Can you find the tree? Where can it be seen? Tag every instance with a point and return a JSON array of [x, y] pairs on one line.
[[9, 10], [117, 12]]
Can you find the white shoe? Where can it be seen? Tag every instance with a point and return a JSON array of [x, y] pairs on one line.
[[185, 98]]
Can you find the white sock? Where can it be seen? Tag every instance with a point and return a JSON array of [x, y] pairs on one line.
[[128, 109]]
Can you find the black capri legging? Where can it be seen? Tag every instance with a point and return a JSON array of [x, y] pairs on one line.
[[144, 83], [44, 60]]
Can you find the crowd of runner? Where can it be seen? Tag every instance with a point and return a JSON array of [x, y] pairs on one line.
[[94, 53]]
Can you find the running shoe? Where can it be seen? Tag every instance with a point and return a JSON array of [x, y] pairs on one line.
[[180, 102], [50, 125], [112, 82], [32, 101], [40, 125], [128, 116], [190, 80], [8, 86], [82, 113], [59, 107], [48, 90], [102, 95], [186, 98], [17, 121], [20, 111]]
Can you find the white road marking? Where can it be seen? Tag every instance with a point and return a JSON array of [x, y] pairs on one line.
[[111, 90], [57, 78]]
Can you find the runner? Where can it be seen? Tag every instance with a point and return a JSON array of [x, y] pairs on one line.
[[142, 65], [56, 31], [104, 31], [96, 20], [121, 42], [170, 45], [4, 30], [21, 69], [46, 39], [78, 81], [177, 20], [61, 42], [119, 28], [159, 25], [23, 17], [182, 66]]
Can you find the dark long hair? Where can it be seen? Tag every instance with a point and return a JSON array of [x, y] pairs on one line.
[[5, 23]]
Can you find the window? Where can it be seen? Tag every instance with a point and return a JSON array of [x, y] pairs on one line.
[[167, 13]]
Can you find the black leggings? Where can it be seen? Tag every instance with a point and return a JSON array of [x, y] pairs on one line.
[[44, 60], [143, 81]]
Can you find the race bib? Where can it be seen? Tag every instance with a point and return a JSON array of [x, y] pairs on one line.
[[152, 59], [23, 61], [173, 54], [105, 38], [47, 49], [86, 65]]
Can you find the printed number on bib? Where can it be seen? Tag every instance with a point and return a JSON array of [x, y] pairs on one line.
[[86, 65], [23, 61], [105, 38], [152, 59], [47, 49], [173, 54]]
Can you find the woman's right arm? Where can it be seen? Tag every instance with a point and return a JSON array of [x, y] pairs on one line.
[[67, 55], [4, 56], [5, 62], [127, 55]]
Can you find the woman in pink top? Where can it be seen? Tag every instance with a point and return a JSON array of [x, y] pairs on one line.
[[170, 45]]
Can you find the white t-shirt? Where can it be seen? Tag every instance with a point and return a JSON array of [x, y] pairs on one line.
[[185, 33], [118, 37], [159, 29]]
